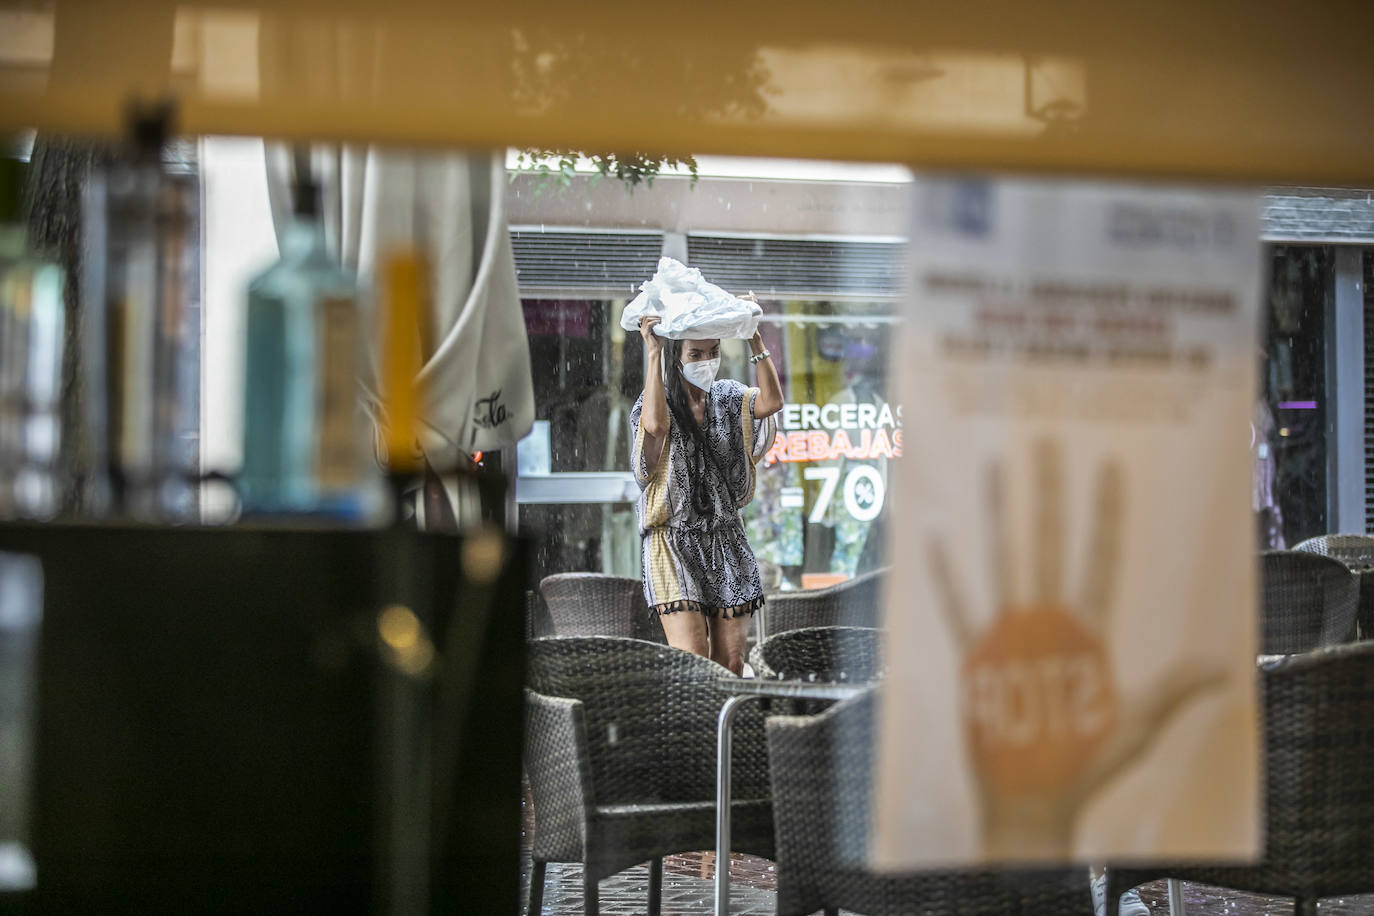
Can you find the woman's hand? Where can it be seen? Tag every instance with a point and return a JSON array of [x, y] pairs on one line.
[[646, 330]]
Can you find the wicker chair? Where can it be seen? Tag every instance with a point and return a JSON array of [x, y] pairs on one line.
[[620, 747], [537, 622], [594, 604], [1356, 551], [1309, 601], [1319, 785], [821, 805], [821, 654], [853, 603]]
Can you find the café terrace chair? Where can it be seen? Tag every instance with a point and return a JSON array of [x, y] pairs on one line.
[[853, 603], [1356, 551], [1319, 786], [822, 803], [595, 604], [620, 747], [820, 654], [1308, 601], [537, 622]]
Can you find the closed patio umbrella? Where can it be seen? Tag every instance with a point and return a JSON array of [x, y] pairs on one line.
[[474, 387]]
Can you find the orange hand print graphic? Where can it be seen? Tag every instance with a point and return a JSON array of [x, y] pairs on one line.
[[1044, 720]]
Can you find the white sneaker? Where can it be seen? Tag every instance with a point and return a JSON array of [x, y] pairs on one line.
[[1131, 904]]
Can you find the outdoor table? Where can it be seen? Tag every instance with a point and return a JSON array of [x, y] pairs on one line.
[[743, 690]]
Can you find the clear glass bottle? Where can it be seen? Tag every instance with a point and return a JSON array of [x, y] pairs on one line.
[[140, 276], [304, 435], [32, 324]]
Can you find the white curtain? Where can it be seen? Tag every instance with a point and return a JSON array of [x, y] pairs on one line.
[[474, 386]]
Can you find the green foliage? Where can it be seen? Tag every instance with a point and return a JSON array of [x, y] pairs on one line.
[[557, 167]]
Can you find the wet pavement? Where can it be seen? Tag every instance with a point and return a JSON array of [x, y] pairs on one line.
[[688, 884], [688, 890], [1201, 900]]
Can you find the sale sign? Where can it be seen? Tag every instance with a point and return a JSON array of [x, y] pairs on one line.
[[825, 432], [846, 447], [1071, 618]]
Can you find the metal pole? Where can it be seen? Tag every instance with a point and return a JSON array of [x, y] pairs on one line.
[[1176, 905], [1345, 406], [723, 739]]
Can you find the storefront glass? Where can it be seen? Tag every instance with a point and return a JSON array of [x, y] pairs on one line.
[[824, 489], [1289, 426], [588, 372], [822, 493]]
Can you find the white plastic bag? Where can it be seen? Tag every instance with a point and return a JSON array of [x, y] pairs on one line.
[[689, 306]]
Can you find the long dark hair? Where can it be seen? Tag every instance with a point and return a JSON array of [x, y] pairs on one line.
[[681, 408]]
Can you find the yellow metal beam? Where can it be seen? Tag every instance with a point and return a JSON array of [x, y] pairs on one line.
[[1265, 91]]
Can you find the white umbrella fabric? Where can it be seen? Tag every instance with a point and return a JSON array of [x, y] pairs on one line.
[[474, 387]]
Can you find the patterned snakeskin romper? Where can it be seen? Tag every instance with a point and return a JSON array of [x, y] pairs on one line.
[[696, 562]]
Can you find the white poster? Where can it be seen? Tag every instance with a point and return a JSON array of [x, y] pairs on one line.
[[1072, 623]]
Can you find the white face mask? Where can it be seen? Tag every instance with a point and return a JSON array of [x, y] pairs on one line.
[[701, 373]]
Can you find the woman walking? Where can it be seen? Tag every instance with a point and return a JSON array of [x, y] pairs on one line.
[[695, 443]]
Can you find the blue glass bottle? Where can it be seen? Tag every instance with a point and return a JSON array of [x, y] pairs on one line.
[[304, 439]]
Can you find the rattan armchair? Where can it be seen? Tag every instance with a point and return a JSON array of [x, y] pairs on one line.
[[1319, 785], [620, 747], [854, 603], [1308, 601], [820, 654], [1356, 551], [537, 622], [594, 604], [822, 802]]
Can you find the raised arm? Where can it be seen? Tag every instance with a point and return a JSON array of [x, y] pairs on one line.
[[653, 419], [769, 400]]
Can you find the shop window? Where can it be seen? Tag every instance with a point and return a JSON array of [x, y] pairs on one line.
[[823, 492], [1289, 440]]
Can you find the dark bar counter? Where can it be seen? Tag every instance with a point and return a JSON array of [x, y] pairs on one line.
[[220, 727]]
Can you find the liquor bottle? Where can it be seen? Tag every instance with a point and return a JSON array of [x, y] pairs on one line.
[[32, 323], [305, 442], [140, 279]]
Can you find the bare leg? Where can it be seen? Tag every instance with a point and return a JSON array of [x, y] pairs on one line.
[[686, 630], [728, 635]]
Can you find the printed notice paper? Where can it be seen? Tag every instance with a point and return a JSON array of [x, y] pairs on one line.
[[1071, 616]]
